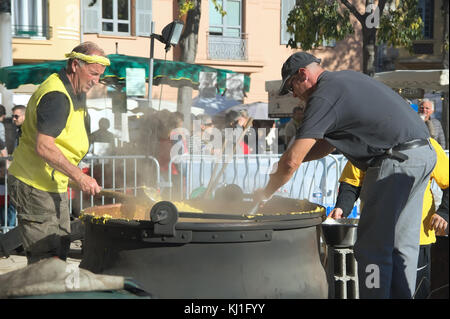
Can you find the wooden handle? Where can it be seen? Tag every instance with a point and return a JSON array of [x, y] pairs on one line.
[[215, 179], [103, 192], [113, 194]]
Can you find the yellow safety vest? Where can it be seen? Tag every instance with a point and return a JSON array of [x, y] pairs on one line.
[[73, 142]]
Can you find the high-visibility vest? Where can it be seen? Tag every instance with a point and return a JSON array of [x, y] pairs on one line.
[[27, 165]]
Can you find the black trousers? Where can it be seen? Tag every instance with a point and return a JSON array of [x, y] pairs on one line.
[[423, 281]]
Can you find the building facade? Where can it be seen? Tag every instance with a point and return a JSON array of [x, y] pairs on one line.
[[249, 39], [428, 53], [44, 30]]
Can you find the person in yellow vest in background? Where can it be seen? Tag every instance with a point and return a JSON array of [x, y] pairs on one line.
[[54, 140], [433, 221]]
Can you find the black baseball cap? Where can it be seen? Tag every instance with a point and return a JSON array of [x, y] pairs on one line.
[[290, 67]]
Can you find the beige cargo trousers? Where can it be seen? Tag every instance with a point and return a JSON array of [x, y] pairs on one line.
[[43, 220]]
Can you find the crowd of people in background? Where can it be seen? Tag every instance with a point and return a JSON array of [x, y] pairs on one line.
[[161, 130]]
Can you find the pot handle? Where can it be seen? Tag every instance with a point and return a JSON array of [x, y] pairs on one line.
[[164, 216]]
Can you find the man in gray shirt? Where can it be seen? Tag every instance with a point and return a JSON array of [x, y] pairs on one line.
[[379, 133], [426, 109]]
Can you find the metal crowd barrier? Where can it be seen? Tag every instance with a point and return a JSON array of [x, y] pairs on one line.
[[250, 172], [127, 173], [119, 173], [4, 203]]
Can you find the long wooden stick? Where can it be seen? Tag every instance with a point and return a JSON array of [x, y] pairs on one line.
[[211, 180], [215, 180]]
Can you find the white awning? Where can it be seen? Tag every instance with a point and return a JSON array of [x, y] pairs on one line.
[[429, 80]]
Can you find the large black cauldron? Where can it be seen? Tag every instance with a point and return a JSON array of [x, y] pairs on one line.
[[209, 255]]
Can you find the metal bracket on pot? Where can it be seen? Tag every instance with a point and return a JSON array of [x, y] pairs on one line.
[[181, 237], [241, 236], [164, 216]]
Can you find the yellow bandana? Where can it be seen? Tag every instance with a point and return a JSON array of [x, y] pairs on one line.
[[89, 58]]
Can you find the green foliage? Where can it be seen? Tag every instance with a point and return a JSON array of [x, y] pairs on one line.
[[313, 21], [400, 27], [186, 5], [219, 7]]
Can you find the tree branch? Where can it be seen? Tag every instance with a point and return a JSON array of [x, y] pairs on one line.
[[353, 10]]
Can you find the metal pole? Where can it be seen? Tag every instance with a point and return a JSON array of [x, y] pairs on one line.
[[150, 66], [81, 20], [6, 57]]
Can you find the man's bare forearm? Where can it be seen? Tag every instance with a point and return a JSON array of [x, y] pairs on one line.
[[280, 177], [321, 149], [289, 162]]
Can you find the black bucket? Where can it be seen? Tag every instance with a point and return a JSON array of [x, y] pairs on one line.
[[210, 255]]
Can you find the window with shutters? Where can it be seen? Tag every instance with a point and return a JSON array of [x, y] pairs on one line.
[[29, 19], [117, 17], [426, 11], [226, 40], [229, 25]]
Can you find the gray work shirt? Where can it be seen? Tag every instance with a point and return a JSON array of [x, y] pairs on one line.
[[359, 116]]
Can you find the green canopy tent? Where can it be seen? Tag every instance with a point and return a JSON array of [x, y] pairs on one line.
[[173, 73]]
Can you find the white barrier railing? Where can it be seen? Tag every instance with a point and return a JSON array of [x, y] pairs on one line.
[[119, 173], [250, 172], [127, 173], [7, 212]]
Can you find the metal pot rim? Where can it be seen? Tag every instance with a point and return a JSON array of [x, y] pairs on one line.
[[234, 223]]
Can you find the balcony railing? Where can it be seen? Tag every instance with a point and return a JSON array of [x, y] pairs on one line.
[[227, 48], [29, 31]]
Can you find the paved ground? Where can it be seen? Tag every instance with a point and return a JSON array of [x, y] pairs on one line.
[[17, 261]]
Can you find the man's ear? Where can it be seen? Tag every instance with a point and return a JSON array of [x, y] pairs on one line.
[[303, 74], [75, 63]]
